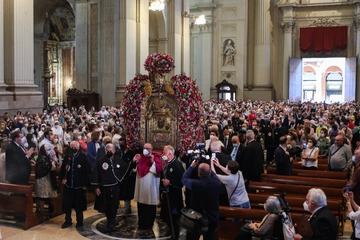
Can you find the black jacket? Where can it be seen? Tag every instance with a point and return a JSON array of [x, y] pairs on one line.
[[79, 172], [18, 166], [252, 161], [324, 226], [283, 165]]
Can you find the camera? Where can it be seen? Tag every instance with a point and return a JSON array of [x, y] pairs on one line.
[[199, 153]]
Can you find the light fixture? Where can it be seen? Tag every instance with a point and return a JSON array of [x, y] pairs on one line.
[[199, 20], [157, 5]]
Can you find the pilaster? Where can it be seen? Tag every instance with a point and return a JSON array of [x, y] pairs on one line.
[[142, 23]]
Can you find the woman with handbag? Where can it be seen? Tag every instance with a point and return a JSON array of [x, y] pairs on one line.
[[45, 178], [234, 183], [266, 226]]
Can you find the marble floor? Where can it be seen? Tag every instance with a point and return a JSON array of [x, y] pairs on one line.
[[94, 228]]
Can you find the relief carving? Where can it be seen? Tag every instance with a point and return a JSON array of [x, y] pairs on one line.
[[324, 22]]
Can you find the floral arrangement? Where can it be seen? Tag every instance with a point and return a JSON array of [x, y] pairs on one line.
[[190, 110], [188, 98], [131, 105], [159, 63]]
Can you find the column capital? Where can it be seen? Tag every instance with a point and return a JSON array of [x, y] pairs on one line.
[[356, 23], [288, 26], [286, 3]]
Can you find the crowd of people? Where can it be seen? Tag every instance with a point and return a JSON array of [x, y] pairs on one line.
[[88, 148]]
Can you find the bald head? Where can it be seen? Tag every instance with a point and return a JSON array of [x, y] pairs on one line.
[[339, 140], [204, 170]]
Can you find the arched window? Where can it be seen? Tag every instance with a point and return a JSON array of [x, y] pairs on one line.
[[334, 87], [226, 90]]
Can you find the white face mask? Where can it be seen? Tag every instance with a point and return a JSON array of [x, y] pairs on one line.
[[56, 140], [306, 207], [164, 158], [145, 152], [26, 145], [310, 145], [79, 137]]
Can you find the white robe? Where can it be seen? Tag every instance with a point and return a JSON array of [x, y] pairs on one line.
[[147, 187]]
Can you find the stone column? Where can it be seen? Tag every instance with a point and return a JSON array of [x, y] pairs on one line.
[[174, 24], [19, 52], [357, 27], [2, 85], [81, 40], [185, 64], [262, 44], [142, 22], [106, 73], [288, 26], [127, 49]]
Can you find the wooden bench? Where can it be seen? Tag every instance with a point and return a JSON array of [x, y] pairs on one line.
[[320, 160], [312, 173], [306, 181], [227, 229], [17, 201], [297, 165]]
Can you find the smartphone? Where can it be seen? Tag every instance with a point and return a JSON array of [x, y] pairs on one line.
[[213, 156], [347, 189], [304, 145]]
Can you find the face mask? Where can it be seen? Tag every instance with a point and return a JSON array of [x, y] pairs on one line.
[[26, 125], [212, 137], [306, 207], [56, 140], [164, 158], [26, 145], [230, 130], [288, 146], [56, 126], [235, 144], [321, 123], [21, 122], [32, 131], [244, 129], [74, 150], [145, 152], [322, 135], [79, 137], [42, 129], [109, 154], [288, 137], [105, 128], [353, 159], [309, 144]]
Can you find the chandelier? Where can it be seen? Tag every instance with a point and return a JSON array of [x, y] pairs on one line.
[[200, 20], [157, 5]]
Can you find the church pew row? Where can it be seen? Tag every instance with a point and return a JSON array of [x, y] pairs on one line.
[[324, 167], [312, 173], [320, 160], [227, 229], [17, 201], [306, 181]]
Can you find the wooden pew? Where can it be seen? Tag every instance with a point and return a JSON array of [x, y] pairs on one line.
[[227, 229], [306, 181], [297, 165], [17, 200], [312, 173], [320, 160]]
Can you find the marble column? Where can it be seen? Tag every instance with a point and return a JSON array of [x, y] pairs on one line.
[[127, 49], [19, 52], [174, 24], [185, 64], [2, 85]]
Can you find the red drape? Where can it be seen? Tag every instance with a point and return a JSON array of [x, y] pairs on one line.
[[323, 39]]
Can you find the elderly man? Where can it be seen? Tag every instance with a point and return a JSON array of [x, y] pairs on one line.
[[339, 155], [205, 196], [172, 190], [323, 222], [75, 175], [147, 184]]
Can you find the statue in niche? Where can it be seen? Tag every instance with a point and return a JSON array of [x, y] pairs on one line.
[[229, 53]]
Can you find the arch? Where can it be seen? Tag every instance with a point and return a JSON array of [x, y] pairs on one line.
[[157, 32]]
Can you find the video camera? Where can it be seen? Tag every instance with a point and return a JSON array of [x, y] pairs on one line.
[[199, 153]]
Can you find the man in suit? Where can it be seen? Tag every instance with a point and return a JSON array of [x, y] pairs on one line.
[[252, 161], [272, 136], [171, 190], [282, 158], [322, 221], [18, 166], [205, 196], [235, 153]]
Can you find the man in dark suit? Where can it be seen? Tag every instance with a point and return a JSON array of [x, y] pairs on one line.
[[252, 161], [18, 166], [272, 137], [323, 222], [205, 196], [171, 190], [282, 158], [235, 153]]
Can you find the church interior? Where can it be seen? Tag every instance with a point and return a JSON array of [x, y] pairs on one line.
[[87, 51]]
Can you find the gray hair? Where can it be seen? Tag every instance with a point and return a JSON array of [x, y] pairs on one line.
[[250, 135], [318, 196], [110, 145], [215, 146], [170, 149], [272, 205]]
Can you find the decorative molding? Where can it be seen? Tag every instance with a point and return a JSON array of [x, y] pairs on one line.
[[288, 26], [285, 3], [356, 23], [230, 28], [206, 27], [324, 22], [203, 7], [229, 11]]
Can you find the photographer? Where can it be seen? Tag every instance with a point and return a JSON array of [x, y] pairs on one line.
[[205, 196]]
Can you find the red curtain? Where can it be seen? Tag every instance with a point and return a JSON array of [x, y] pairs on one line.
[[323, 39]]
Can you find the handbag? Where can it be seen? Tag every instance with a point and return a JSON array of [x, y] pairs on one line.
[[193, 221]]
